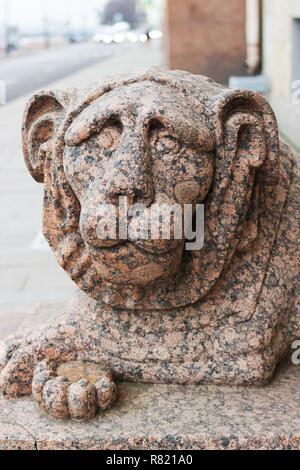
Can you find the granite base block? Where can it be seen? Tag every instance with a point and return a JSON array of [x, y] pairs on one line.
[[169, 417], [12, 435]]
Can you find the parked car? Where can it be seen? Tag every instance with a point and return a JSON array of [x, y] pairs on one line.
[[77, 36]]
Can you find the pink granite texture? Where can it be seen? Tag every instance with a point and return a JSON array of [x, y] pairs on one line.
[[171, 417], [151, 311]]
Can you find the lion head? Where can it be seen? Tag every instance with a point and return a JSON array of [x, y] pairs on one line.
[[157, 136]]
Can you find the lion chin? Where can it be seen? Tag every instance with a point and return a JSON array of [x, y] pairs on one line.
[[137, 263]]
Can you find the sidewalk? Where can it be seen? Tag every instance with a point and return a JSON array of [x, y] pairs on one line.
[[28, 270]]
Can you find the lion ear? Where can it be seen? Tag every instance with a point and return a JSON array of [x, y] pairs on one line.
[[42, 119], [246, 158], [247, 122]]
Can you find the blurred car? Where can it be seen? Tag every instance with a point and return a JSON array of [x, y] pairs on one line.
[[112, 33], [11, 46], [120, 32], [9, 39], [76, 37]]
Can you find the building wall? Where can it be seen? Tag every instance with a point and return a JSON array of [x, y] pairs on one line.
[[206, 37], [281, 61]]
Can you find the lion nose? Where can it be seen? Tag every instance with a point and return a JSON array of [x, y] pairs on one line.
[[130, 174]]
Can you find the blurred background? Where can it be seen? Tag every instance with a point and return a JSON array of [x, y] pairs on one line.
[[252, 44], [57, 37]]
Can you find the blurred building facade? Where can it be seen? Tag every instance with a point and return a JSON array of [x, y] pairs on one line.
[[281, 63], [206, 37], [221, 38], [121, 10]]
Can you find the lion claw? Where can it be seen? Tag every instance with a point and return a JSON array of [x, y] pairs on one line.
[[71, 396]]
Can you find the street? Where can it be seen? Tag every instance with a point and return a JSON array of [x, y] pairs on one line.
[[23, 74]]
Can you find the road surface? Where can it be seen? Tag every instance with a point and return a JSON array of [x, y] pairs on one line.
[[23, 74]]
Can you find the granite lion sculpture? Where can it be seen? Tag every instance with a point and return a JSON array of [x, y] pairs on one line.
[[150, 310]]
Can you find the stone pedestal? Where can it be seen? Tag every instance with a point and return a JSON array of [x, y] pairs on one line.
[[168, 417]]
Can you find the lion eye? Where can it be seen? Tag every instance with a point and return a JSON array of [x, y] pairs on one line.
[[167, 144], [162, 141], [110, 136]]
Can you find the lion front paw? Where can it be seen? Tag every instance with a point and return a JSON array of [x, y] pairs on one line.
[[7, 348], [73, 390], [16, 368]]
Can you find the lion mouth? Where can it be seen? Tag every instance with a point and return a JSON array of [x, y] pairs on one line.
[[155, 247]]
